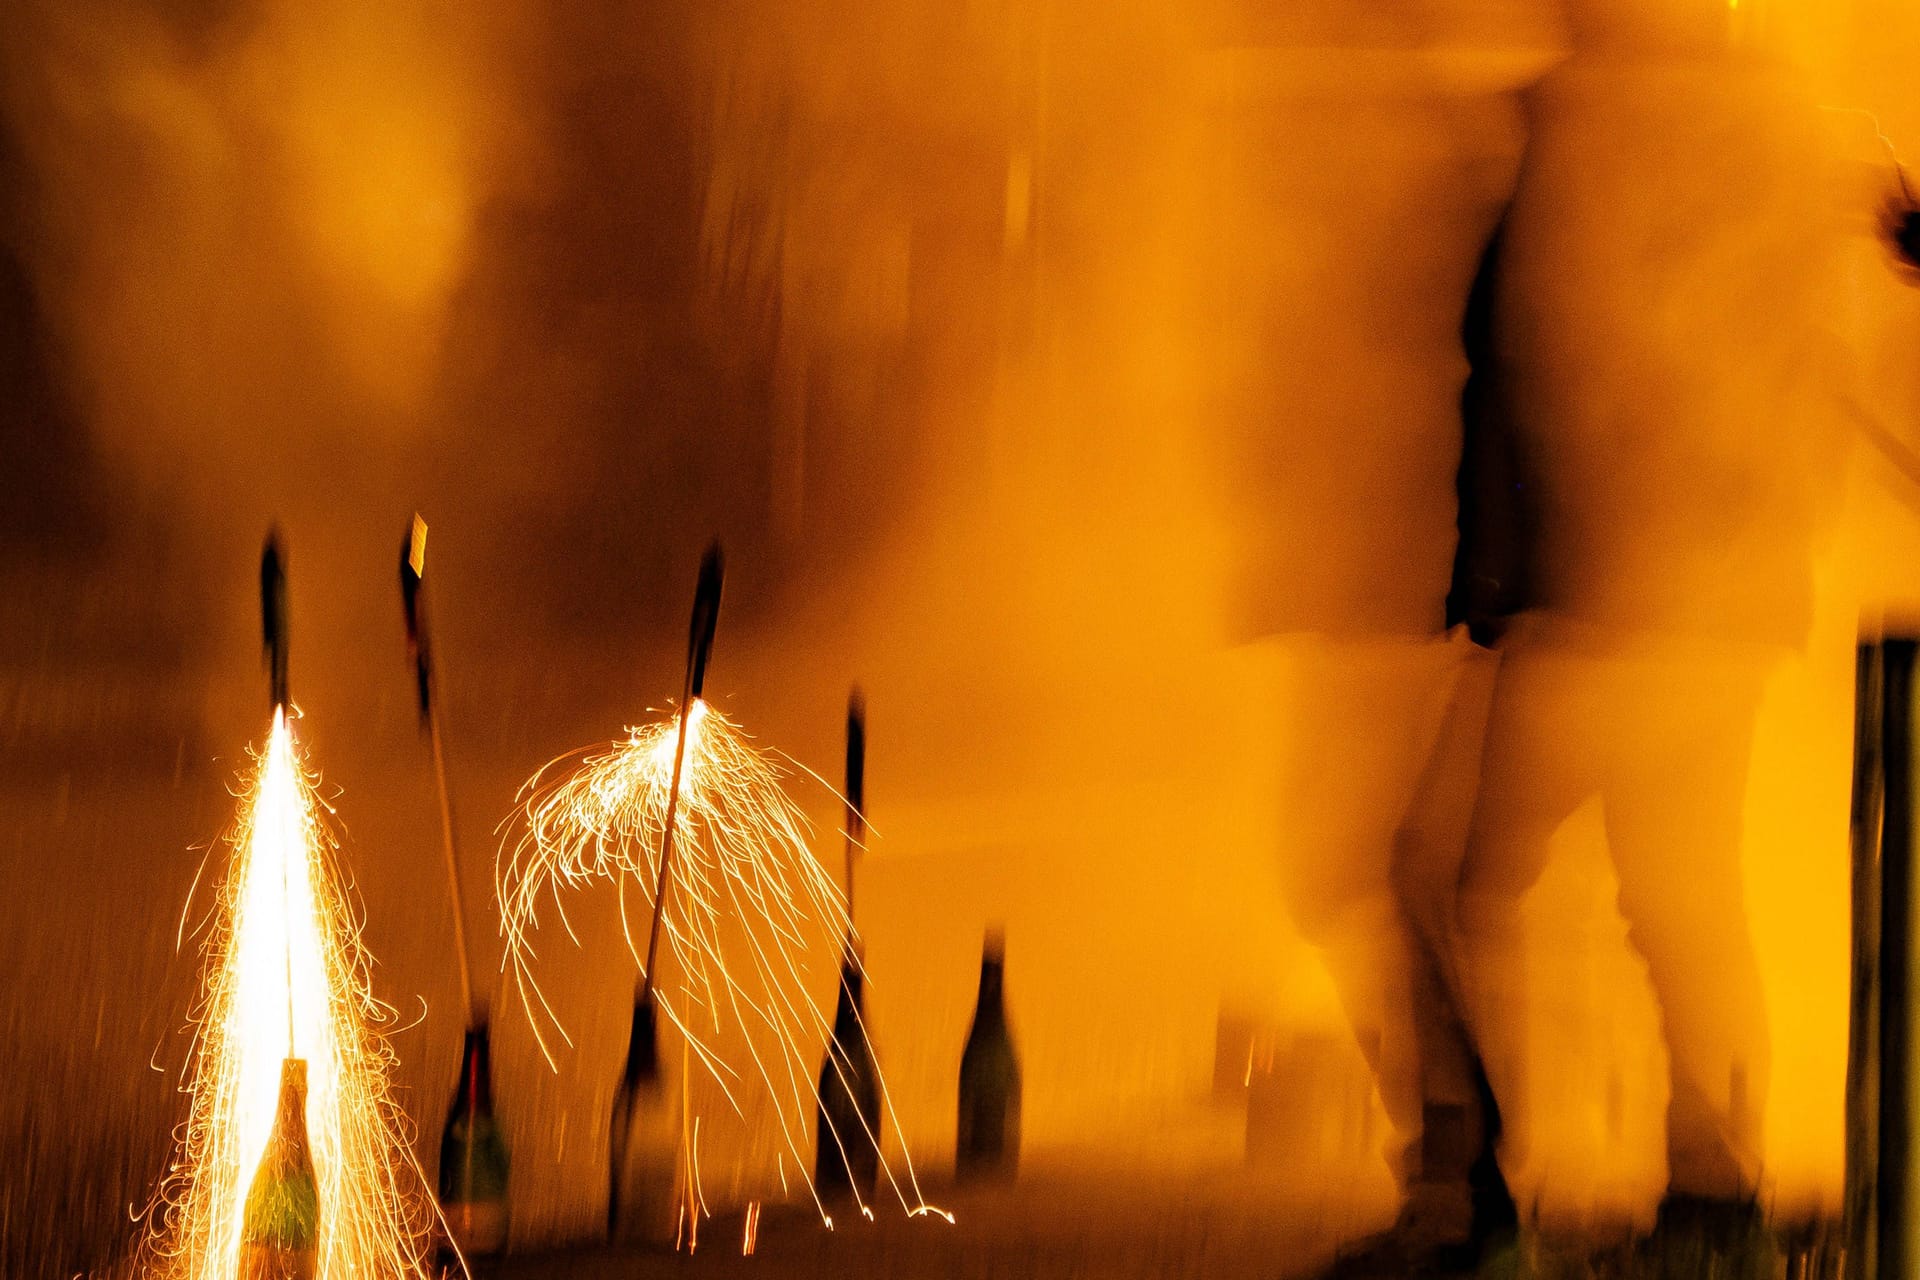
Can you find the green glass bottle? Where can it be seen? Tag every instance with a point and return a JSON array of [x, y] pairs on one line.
[[988, 1141], [280, 1226], [473, 1156], [847, 1129]]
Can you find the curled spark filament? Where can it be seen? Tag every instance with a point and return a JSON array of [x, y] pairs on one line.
[[748, 915], [283, 960]]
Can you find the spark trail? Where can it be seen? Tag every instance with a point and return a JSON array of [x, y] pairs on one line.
[[749, 915]]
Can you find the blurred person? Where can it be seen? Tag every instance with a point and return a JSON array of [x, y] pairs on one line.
[[1668, 339], [1490, 584], [1352, 194], [1459, 1208]]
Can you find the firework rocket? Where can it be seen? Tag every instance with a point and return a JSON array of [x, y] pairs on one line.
[[282, 1217], [641, 1076], [474, 1169], [706, 620], [273, 637], [413, 582], [742, 902], [292, 1160], [413, 576], [273, 616]]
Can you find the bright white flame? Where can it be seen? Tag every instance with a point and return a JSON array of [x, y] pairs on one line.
[[286, 973]]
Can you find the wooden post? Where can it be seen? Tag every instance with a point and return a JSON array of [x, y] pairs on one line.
[[1893, 1228], [1863, 1024]]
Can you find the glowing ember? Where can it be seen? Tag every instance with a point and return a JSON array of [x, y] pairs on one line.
[[748, 908], [284, 962]]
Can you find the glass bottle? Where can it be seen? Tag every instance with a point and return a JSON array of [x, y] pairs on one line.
[[280, 1225], [988, 1141], [642, 1193], [473, 1156], [847, 1131]]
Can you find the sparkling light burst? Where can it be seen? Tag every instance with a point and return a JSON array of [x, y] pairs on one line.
[[750, 912], [283, 959]]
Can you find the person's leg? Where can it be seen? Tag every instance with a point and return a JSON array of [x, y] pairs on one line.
[[1428, 850], [1536, 769], [1366, 711], [1370, 954], [1674, 821]]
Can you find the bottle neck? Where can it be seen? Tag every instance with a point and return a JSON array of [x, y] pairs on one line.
[[847, 1011], [290, 1121], [643, 1054], [990, 1008], [476, 1072]]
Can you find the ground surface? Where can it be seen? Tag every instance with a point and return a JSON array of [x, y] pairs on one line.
[[1045, 1229]]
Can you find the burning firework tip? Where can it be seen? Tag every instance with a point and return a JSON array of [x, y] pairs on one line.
[[705, 623]]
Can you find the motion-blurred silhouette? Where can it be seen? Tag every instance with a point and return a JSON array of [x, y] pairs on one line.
[[1666, 344]]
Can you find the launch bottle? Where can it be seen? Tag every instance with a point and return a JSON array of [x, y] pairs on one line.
[[641, 1194], [280, 1226], [847, 1132], [988, 1142], [473, 1156]]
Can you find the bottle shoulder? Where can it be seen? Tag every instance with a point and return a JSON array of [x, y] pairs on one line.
[[990, 1053]]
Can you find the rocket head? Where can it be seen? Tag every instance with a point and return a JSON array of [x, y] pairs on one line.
[[413, 575], [273, 614], [413, 572], [856, 761], [706, 619]]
